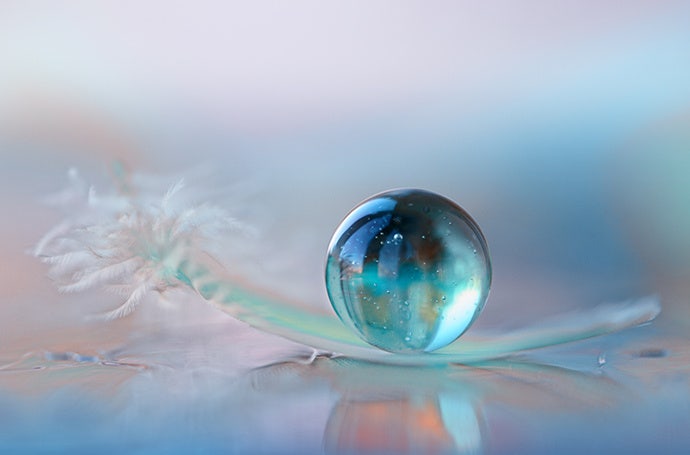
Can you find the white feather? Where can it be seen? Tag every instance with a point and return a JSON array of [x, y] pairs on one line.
[[131, 242], [131, 303], [99, 276]]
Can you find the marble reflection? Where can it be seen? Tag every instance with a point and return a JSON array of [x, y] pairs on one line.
[[410, 410]]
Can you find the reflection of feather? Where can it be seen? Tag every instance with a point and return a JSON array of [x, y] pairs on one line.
[[132, 242]]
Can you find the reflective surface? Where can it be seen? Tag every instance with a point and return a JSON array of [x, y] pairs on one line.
[[408, 270], [221, 388]]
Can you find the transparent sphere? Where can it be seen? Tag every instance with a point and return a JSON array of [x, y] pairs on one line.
[[408, 270]]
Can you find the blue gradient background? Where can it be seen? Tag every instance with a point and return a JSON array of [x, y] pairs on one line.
[[564, 129]]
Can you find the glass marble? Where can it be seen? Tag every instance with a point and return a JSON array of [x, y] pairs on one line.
[[408, 270]]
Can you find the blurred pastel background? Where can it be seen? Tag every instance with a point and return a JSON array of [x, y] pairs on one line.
[[562, 127]]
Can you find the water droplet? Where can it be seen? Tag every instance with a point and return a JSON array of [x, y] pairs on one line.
[[397, 237], [601, 360]]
